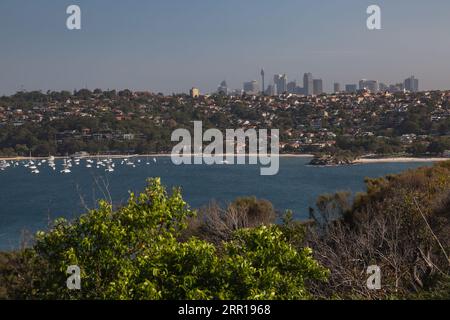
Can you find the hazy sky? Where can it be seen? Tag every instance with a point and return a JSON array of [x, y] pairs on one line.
[[172, 45]]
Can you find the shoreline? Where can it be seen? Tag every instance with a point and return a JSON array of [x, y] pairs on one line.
[[163, 155], [154, 155], [399, 160]]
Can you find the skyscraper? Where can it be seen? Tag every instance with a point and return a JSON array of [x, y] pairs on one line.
[[351, 88], [317, 86], [223, 88], [411, 84], [337, 87], [291, 87], [308, 84], [383, 87], [251, 87], [371, 85], [270, 91], [280, 81], [396, 87], [263, 82], [300, 90], [362, 83]]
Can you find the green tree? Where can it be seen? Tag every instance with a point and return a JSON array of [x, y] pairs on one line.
[[134, 252]]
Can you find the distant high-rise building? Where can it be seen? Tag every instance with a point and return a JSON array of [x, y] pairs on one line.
[[317, 86], [396, 87], [291, 87], [251, 87], [362, 83], [371, 85], [308, 84], [194, 93], [411, 84], [283, 83], [223, 88], [237, 92], [337, 87], [383, 87], [300, 90], [280, 81], [263, 82], [270, 91], [351, 88]]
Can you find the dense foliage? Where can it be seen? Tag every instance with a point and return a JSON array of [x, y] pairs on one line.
[[135, 253], [401, 224]]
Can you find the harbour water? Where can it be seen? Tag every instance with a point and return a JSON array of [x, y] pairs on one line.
[[29, 201]]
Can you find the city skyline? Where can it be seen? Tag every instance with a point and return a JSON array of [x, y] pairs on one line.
[[315, 86], [134, 46]]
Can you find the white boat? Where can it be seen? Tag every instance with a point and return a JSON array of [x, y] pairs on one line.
[[35, 171], [3, 165], [66, 166]]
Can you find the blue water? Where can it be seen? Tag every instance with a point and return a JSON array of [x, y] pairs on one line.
[[28, 202]]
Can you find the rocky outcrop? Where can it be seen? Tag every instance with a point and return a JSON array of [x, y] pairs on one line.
[[331, 161]]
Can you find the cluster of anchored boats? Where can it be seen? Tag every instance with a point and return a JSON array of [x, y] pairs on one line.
[[107, 164]]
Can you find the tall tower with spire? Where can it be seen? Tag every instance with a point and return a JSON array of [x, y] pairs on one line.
[[263, 84]]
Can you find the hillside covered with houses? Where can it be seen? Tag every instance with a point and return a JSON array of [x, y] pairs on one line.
[[113, 122]]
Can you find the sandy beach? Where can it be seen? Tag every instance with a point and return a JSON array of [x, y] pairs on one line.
[[399, 159]]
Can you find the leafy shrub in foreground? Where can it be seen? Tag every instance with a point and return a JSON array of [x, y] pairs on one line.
[[134, 253]]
